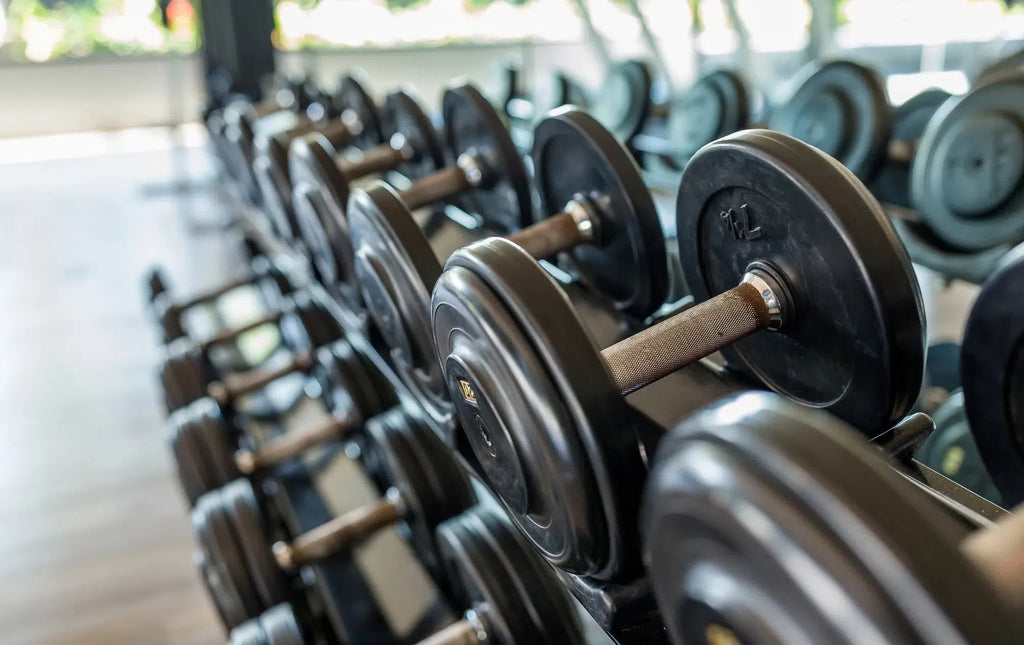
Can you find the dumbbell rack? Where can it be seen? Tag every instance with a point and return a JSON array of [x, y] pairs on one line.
[[626, 612]]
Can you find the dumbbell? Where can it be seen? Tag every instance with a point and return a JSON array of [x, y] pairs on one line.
[[768, 522], [278, 625], [359, 125], [169, 313], [427, 487], [204, 440], [623, 102], [596, 207], [187, 372], [801, 284], [243, 121], [321, 177], [991, 369], [510, 596]]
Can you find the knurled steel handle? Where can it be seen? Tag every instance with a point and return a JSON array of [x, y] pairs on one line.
[[229, 335], [236, 385], [292, 444], [550, 237], [376, 159], [435, 187], [686, 337], [340, 532]]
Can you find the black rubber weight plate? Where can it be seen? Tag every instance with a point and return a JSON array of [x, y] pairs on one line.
[[537, 407], [249, 525], [967, 173], [192, 471], [320, 198], [396, 269], [346, 380], [892, 185], [495, 571], [574, 155], [432, 484], [624, 100], [855, 342], [227, 574], [308, 324], [841, 109], [405, 117], [718, 104], [771, 523], [271, 168], [472, 126], [352, 96], [992, 372]]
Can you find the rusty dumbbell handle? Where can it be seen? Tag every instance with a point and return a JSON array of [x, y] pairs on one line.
[[999, 552], [341, 532], [236, 385], [435, 187], [686, 337], [553, 235], [293, 443]]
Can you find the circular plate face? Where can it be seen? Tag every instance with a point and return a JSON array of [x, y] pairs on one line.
[[308, 324], [841, 109], [248, 523], [892, 183], [966, 176], [404, 116], [346, 383], [319, 198], [760, 196], [355, 103], [537, 407], [215, 441], [495, 573], [227, 576], [413, 460], [473, 127], [396, 269], [624, 100], [281, 626], [718, 104], [574, 157], [271, 168], [766, 522], [992, 372]]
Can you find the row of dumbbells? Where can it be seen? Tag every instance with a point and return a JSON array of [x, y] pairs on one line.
[[758, 210]]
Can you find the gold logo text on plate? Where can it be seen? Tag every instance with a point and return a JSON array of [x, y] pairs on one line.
[[467, 391]]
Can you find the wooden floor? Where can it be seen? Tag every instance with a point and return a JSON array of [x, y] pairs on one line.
[[96, 535]]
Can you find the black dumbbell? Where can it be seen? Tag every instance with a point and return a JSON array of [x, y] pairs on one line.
[[510, 596], [278, 625], [188, 373], [991, 369], [801, 284], [321, 176], [595, 206], [716, 105], [623, 102], [204, 440], [427, 487], [758, 509], [359, 125], [243, 120], [169, 313]]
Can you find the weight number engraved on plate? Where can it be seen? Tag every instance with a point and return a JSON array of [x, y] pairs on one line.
[[467, 391], [741, 224]]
